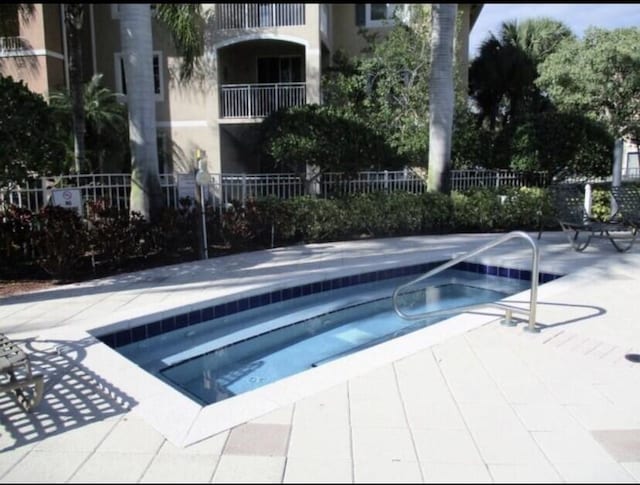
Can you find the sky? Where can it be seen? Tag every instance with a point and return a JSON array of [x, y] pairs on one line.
[[577, 16]]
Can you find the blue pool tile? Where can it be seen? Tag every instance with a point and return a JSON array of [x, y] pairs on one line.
[[195, 316], [231, 307], [287, 294], [182, 320], [514, 273], [243, 304], [316, 288], [220, 310], [254, 301], [276, 296], [154, 329], [326, 285], [138, 333], [168, 324], [306, 290], [492, 270], [296, 292], [109, 340], [525, 274], [263, 299], [504, 272], [207, 314], [123, 337]]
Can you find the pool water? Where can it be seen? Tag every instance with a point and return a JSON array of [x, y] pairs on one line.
[[224, 357]]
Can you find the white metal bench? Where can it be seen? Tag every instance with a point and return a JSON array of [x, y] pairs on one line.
[[16, 375]]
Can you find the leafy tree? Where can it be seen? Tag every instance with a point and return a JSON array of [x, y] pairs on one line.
[[387, 86], [29, 135], [562, 144], [598, 76], [106, 121], [327, 137], [11, 14], [502, 77]]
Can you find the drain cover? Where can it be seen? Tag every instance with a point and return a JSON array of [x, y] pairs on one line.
[[633, 357]]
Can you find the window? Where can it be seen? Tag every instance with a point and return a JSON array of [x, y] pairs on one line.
[[286, 69], [632, 168], [161, 141], [121, 83], [382, 14]]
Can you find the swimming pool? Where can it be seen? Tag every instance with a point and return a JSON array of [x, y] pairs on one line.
[[234, 347]]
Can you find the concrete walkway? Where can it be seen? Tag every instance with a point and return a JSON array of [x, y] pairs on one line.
[[466, 400]]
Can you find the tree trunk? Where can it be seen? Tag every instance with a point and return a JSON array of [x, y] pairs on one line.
[[441, 96], [74, 20], [137, 54]]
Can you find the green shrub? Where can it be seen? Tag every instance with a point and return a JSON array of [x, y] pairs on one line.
[[438, 212], [117, 235], [61, 239], [15, 234]]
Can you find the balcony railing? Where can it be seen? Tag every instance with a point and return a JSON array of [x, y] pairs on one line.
[[255, 15], [259, 100], [8, 44]]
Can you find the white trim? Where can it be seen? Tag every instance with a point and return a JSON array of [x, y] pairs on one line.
[[117, 56], [182, 124], [32, 52], [261, 36]]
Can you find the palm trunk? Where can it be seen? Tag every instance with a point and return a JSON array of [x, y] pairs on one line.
[[441, 96], [137, 53], [74, 14]]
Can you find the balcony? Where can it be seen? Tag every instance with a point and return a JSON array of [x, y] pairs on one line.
[[259, 100], [11, 44], [256, 15]]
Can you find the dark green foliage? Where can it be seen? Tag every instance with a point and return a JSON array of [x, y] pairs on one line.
[[67, 246], [562, 143], [118, 235], [15, 234], [61, 241], [326, 137], [30, 140]]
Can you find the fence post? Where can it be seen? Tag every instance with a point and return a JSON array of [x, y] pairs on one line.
[[244, 189]]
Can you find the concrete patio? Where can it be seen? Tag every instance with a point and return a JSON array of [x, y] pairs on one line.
[[465, 400]]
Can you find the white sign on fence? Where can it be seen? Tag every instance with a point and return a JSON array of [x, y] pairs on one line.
[[186, 185], [68, 198]]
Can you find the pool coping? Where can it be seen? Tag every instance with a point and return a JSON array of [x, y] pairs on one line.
[[184, 422]]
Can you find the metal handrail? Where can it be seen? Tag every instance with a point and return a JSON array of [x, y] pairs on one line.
[[535, 259]]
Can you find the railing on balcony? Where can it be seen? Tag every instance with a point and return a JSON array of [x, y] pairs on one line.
[[254, 15], [259, 100], [12, 43]]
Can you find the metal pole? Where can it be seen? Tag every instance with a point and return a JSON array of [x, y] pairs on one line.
[[204, 224]]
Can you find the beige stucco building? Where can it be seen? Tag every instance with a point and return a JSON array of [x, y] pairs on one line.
[[258, 57]]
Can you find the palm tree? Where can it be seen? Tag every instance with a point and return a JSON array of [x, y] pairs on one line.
[[74, 21], [137, 53], [106, 118], [441, 96], [502, 76], [11, 14]]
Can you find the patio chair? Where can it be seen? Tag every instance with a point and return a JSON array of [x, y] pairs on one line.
[[627, 200], [568, 204], [15, 367]]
